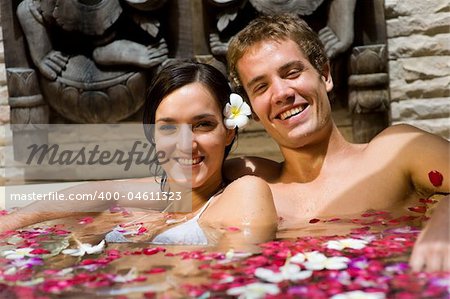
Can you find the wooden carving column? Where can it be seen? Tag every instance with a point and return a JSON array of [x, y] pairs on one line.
[[369, 80]]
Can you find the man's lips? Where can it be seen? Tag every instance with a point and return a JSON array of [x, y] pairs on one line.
[[292, 112]]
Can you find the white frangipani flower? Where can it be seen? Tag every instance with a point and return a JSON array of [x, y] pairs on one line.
[[318, 261], [359, 295], [236, 112], [287, 272], [130, 276], [254, 290], [85, 248], [347, 243], [18, 253]]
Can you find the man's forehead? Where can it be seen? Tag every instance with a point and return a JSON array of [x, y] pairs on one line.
[[254, 61]]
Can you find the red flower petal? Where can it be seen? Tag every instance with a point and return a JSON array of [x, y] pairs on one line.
[[39, 251], [86, 220], [155, 270], [436, 178], [418, 209], [427, 200], [152, 251]]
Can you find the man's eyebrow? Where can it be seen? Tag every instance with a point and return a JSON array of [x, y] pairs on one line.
[[254, 81], [285, 67], [290, 65]]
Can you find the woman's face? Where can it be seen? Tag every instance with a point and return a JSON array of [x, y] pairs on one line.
[[189, 130]]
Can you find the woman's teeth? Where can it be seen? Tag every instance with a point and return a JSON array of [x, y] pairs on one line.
[[289, 113], [189, 162]]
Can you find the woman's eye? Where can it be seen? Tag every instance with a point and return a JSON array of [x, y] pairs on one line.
[[204, 125], [167, 129]]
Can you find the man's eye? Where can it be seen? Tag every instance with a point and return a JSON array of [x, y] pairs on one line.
[[293, 74], [260, 88]]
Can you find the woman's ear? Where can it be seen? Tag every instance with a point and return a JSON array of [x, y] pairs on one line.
[[230, 136], [326, 76]]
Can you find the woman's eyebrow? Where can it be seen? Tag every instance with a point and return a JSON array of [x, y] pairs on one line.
[[165, 119], [197, 117], [204, 115]]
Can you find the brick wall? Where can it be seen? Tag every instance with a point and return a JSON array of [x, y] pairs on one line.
[[419, 63]]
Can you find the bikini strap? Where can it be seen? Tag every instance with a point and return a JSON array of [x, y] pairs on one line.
[[197, 216]]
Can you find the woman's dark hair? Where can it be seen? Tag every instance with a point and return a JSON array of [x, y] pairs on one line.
[[176, 75]]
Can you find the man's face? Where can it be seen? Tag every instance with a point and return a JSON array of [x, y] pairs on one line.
[[287, 93]]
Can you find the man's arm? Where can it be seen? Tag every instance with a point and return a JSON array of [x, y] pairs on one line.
[[427, 159]]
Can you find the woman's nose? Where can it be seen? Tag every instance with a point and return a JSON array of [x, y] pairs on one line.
[[186, 142]]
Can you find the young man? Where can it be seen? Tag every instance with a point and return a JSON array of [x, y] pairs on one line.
[[280, 66]]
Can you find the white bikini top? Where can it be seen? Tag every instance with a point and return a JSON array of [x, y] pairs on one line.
[[187, 233]]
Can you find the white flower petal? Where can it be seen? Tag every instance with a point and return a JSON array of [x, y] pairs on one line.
[[298, 258], [229, 123], [241, 121], [227, 110], [236, 100], [314, 266], [95, 249], [245, 109], [315, 257], [74, 252], [334, 245], [268, 275], [346, 243], [359, 295], [254, 290], [337, 263], [301, 275]]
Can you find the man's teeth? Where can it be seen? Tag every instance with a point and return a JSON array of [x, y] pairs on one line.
[[289, 113], [189, 161]]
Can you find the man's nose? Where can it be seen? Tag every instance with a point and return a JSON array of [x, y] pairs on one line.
[[281, 92]]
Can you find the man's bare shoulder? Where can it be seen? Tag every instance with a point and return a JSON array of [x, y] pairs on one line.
[[264, 168], [403, 135]]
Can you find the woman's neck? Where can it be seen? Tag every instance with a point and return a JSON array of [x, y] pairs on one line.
[[199, 195], [202, 194]]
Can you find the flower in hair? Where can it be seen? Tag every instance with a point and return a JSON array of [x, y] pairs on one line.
[[236, 112]]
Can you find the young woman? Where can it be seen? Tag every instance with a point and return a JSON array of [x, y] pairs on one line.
[[183, 118]]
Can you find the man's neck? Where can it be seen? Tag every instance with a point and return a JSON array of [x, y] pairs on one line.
[[305, 163]]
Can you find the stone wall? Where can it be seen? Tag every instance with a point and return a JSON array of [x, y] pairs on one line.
[[4, 111], [419, 63]]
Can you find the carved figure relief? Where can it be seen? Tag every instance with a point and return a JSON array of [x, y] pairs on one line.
[[94, 58], [80, 48]]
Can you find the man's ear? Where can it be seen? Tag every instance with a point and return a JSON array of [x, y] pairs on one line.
[[326, 76], [254, 116]]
